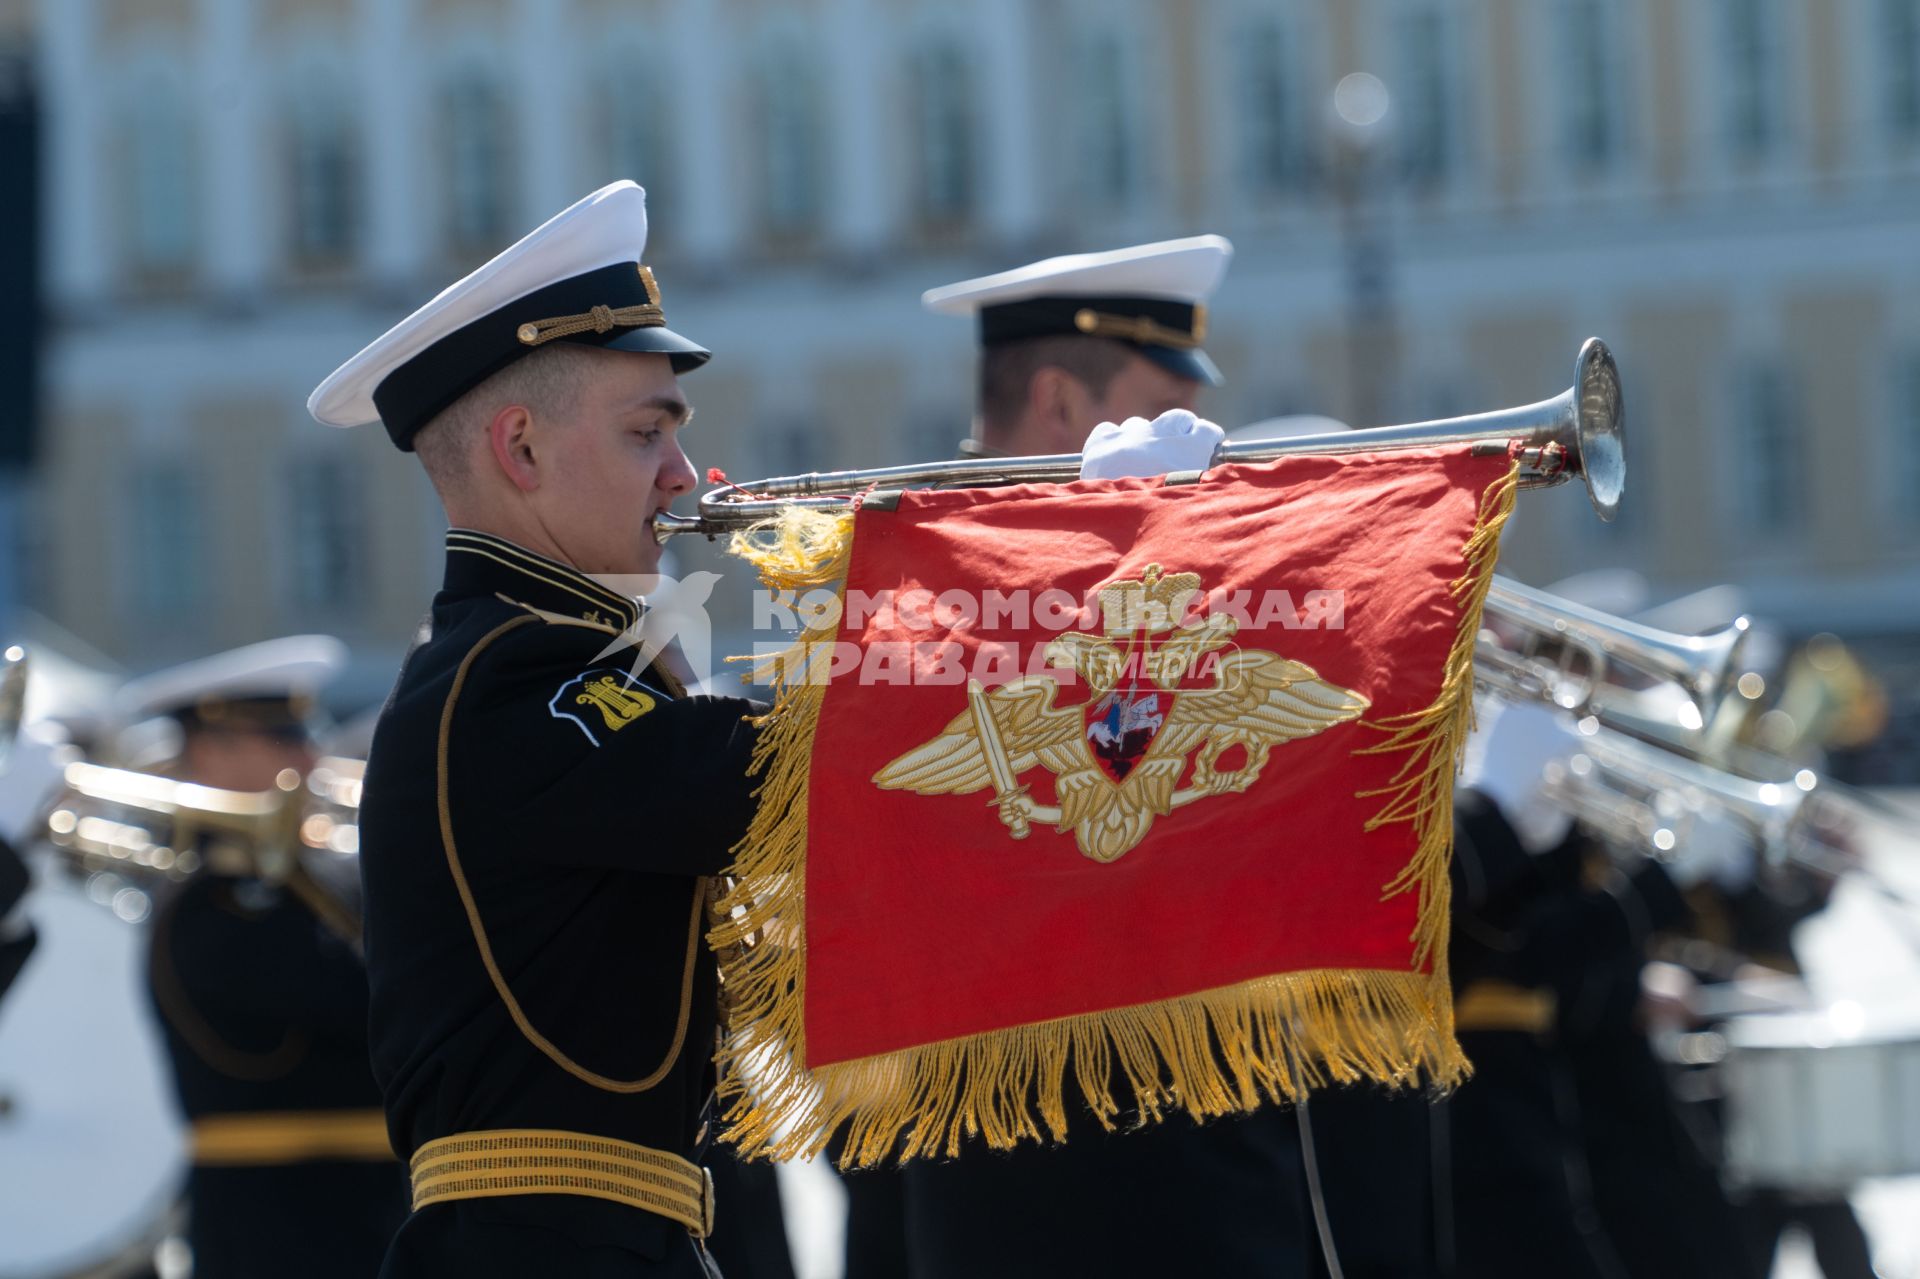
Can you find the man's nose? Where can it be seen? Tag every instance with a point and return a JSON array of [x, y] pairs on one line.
[[676, 474]]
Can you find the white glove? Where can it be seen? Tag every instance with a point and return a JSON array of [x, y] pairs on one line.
[[1506, 760], [1174, 441], [1711, 846], [33, 771]]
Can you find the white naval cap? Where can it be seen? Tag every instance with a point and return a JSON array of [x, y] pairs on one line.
[[577, 277], [270, 684], [1152, 296]]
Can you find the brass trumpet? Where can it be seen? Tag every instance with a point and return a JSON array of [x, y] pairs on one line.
[[1578, 432]]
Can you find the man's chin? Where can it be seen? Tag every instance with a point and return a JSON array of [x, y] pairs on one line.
[[646, 557]]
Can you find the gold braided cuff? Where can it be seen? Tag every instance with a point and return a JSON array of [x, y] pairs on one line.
[[537, 1161]]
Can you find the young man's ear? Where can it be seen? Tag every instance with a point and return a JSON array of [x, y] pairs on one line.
[[1058, 402], [510, 438]]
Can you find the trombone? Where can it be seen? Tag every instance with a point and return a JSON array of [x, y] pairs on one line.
[[1578, 432]]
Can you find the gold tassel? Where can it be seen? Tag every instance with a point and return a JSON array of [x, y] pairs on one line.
[[1208, 1054]]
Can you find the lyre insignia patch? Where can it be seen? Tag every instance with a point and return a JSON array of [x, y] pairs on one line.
[[1118, 759], [603, 700]]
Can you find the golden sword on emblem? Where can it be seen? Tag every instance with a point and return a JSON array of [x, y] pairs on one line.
[[1006, 788]]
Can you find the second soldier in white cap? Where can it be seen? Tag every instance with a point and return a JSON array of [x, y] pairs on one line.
[[1072, 342]]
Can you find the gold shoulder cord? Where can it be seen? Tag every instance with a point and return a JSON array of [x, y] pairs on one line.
[[500, 986]]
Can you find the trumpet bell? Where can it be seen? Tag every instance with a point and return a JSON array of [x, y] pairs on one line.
[[1600, 427]]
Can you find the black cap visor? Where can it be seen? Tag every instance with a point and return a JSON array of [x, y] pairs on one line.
[[654, 340], [1187, 362]]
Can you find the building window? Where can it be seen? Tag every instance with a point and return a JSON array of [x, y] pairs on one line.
[[1276, 156], [1103, 149], [1749, 43], [327, 566], [323, 180], [790, 132], [1426, 101], [633, 134], [1771, 447], [1900, 47], [945, 152], [1584, 75], [168, 540], [160, 201], [478, 132]]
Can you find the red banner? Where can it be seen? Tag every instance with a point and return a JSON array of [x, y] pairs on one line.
[[1156, 777]]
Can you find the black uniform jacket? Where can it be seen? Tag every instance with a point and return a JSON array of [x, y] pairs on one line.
[[16, 933], [264, 1010], [538, 832], [1523, 1190]]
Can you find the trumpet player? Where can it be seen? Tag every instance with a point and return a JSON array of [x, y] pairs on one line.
[[263, 1005], [545, 810]]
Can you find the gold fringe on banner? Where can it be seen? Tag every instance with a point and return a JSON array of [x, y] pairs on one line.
[[1434, 740], [1209, 1053]]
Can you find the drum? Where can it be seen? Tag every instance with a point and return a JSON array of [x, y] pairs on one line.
[[1817, 1102], [92, 1152]]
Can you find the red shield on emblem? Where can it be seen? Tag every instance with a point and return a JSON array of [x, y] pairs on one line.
[[1121, 725]]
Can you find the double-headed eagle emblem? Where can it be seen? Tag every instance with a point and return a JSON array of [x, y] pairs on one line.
[[1118, 758]]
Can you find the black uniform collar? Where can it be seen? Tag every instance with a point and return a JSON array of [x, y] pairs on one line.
[[482, 564]]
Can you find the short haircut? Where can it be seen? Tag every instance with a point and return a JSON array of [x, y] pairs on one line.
[[1007, 371], [547, 381]]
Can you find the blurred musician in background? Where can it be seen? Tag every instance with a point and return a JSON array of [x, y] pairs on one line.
[[1566, 1130], [1743, 933], [1718, 871], [263, 1000], [21, 790]]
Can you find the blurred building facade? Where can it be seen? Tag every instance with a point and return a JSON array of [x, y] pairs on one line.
[[239, 193]]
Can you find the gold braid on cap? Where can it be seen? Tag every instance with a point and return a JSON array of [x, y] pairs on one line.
[[599, 319], [1139, 328]]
